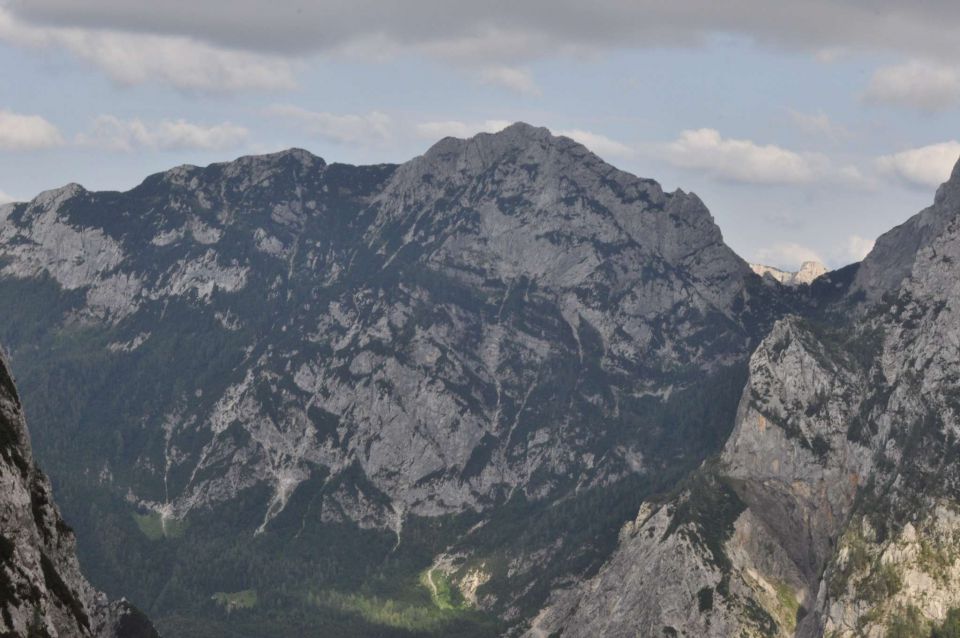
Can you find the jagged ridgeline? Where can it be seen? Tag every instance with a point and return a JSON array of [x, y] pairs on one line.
[[834, 507], [42, 592], [276, 395]]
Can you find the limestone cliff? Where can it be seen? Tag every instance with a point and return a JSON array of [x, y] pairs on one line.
[[42, 591]]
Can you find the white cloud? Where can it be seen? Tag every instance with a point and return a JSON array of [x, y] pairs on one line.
[[20, 132], [746, 161], [927, 166], [786, 255], [818, 123], [178, 61], [858, 247], [6, 199], [742, 160], [113, 133], [922, 85], [599, 144], [373, 127], [456, 128], [514, 79]]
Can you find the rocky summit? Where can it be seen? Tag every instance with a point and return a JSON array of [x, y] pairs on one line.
[[277, 394]]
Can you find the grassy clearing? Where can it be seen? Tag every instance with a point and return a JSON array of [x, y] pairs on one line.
[[155, 527], [443, 593], [789, 605], [426, 618]]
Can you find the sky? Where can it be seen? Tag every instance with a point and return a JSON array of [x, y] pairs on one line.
[[807, 128]]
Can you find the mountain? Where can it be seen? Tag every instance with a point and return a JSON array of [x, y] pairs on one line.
[[832, 509], [276, 393], [809, 271], [42, 592]]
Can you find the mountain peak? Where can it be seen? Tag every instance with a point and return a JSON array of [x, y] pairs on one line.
[[288, 157], [955, 174], [54, 197], [895, 252], [809, 270], [522, 130], [520, 138], [950, 189], [293, 153]]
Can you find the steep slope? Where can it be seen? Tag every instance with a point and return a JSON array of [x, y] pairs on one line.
[[42, 592], [477, 361], [832, 509]]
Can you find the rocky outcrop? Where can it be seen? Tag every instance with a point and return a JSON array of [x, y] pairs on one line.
[[891, 262], [809, 271], [832, 507], [42, 591], [740, 549]]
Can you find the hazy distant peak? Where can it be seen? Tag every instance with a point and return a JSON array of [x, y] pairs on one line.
[[809, 271]]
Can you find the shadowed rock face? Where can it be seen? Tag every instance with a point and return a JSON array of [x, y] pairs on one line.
[[42, 591], [895, 253], [832, 509]]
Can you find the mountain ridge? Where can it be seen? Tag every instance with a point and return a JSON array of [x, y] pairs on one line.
[[830, 509], [469, 369]]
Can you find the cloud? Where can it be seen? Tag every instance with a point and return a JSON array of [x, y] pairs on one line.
[[924, 167], [858, 247], [456, 128], [113, 133], [511, 31], [742, 160], [922, 85], [745, 161], [6, 199], [599, 144], [373, 127], [177, 61], [818, 123], [786, 255], [27, 132], [517, 80]]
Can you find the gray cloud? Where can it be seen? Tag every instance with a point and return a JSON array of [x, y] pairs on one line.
[[916, 84], [506, 30], [135, 58], [740, 160]]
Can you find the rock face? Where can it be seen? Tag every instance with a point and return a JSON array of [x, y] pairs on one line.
[[832, 509], [42, 592], [435, 323], [505, 319], [809, 271]]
